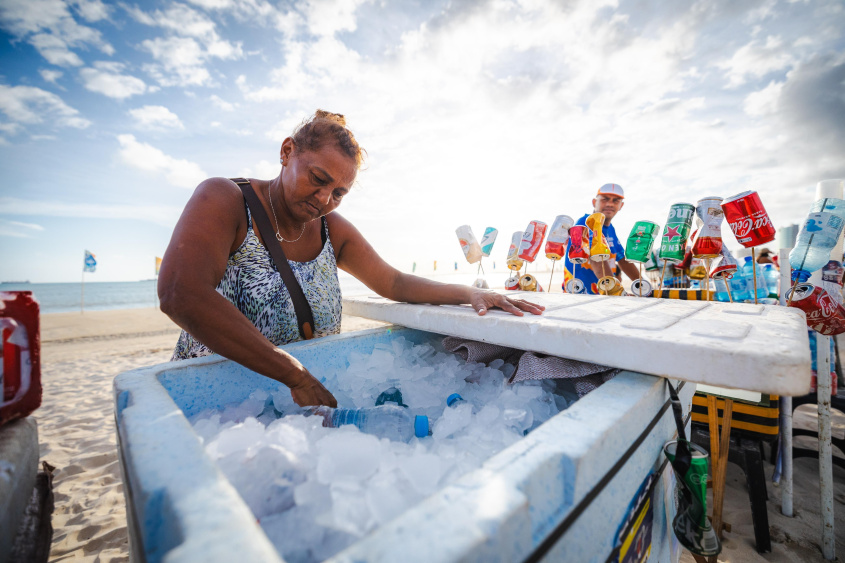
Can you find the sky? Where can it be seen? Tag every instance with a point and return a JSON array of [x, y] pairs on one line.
[[486, 113]]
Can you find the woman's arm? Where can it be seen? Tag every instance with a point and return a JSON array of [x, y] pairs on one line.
[[211, 227], [356, 256]]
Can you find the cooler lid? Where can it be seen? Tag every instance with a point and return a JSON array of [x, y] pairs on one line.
[[762, 348]]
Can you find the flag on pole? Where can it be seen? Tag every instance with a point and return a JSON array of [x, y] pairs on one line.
[[90, 262], [158, 264]]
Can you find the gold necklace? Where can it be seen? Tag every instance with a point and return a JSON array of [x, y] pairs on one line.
[[279, 236]]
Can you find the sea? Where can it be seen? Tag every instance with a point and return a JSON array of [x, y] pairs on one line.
[[98, 296]]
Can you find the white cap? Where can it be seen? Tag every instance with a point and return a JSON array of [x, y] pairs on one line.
[[612, 189]]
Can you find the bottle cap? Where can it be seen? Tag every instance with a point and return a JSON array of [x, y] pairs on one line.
[[452, 398], [421, 426], [800, 275]]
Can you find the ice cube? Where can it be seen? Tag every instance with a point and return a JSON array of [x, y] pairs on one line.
[[347, 455], [422, 470], [453, 420]]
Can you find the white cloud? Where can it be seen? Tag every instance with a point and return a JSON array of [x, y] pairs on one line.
[[756, 60], [154, 117], [50, 75], [49, 26], [26, 104], [192, 43], [327, 17], [763, 102], [165, 215], [106, 78], [92, 10], [221, 103], [213, 4], [179, 172], [17, 229]]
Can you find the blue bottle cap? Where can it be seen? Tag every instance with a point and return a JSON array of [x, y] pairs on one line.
[[452, 398], [421, 426], [800, 275]]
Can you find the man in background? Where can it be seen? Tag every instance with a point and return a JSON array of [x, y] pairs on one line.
[[609, 200]]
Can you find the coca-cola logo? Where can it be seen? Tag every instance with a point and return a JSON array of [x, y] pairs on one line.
[[742, 227], [826, 307]]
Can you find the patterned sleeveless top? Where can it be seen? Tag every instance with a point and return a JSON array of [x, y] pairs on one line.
[[253, 285]]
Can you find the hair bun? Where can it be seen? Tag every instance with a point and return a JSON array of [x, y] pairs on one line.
[[329, 116]]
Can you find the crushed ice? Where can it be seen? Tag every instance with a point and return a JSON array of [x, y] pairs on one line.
[[317, 490]]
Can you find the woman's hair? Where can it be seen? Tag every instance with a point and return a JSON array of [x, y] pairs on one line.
[[325, 127]]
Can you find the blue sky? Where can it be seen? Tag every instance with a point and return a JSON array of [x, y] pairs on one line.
[[480, 113]]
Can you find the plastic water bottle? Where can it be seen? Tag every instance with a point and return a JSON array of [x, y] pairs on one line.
[[748, 274], [772, 277], [829, 205], [817, 238], [386, 421], [740, 290], [721, 290], [454, 400]]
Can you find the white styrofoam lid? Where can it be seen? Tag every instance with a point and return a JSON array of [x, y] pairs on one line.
[[763, 348]]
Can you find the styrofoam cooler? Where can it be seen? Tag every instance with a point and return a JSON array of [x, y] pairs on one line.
[[561, 492]]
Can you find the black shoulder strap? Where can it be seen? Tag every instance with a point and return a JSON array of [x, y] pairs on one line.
[[304, 317]]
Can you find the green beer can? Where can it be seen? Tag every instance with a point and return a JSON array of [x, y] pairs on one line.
[[640, 241], [673, 243]]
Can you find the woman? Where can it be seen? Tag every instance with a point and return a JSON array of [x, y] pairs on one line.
[[219, 283]]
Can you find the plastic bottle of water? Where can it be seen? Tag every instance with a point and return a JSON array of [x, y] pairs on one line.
[[721, 290], [829, 205], [454, 400], [772, 277], [385, 421], [748, 274], [390, 395], [740, 290], [817, 238]]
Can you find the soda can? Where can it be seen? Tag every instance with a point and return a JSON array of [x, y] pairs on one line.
[[609, 285], [558, 237], [640, 241], [697, 270], [708, 219], [674, 240], [481, 283], [748, 219], [532, 240], [654, 263], [599, 251], [824, 314], [529, 283], [575, 286], [513, 262], [641, 288], [579, 249], [470, 246], [487, 240], [725, 265], [512, 283]]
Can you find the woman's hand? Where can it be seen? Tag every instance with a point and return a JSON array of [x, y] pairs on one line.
[[309, 392], [481, 300]]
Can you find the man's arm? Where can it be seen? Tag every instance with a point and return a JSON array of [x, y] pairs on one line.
[[630, 270]]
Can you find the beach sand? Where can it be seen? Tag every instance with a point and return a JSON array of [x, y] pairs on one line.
[[82, 353]]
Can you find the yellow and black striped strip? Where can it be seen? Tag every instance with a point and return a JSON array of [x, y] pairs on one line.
[[684, 294], [752, 418]]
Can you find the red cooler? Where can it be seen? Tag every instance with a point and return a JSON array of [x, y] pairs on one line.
[[20, 379]]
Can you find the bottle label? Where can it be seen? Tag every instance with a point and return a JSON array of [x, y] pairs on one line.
[[826, 224]]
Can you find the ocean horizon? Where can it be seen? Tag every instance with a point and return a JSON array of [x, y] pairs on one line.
[[98, 296]]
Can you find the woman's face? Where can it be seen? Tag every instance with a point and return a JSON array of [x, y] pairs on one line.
[[315, 182]]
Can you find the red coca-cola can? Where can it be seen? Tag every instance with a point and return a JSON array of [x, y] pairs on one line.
[[824, 314], [748, 219]]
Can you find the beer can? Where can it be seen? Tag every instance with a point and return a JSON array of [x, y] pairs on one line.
[[513, 261], [558, 237], [579, 249], [512, 283], [529, 283], [748, 219], [725, 265], [532, 240], [487, 240], [609, 285], [575, 286], [824, 314], [674, 240], [470, 246], [641, 288], [640, 241], [708, 219], [599, 251]]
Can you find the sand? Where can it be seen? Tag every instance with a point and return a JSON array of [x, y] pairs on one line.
[[83, 352]]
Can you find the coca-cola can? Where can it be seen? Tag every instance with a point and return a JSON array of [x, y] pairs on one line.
[[824, 314], [748, 219]]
